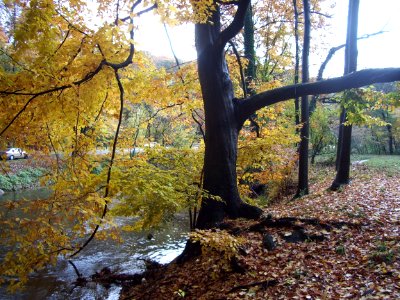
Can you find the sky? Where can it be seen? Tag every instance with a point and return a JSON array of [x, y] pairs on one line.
[[380, 51], [375, 52]]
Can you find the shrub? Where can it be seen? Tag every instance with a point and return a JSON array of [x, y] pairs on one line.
[[5, 183], [219, 247], [22, 180]]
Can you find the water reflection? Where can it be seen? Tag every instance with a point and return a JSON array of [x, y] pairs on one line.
[[56, 282], [26, 194]]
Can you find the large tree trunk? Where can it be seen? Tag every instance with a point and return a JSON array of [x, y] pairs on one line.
[[222, 129]]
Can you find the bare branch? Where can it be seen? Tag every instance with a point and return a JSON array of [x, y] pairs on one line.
[[154, 6], [198, 124], [172, 48], [117, 14], [321, 70], [62, 43], [321, 14], [277, 21], [333, 50], [145, 10], [237, 24], [70, 25], [227, 2], [240, 68]]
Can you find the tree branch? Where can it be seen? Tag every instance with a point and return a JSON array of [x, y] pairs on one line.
[[199, 124], [88, 76], [321, 14], [332, 51], [227, 2], [70, 25], [354, 80], [114, 148], [237, 24], [235, 51], [154, 6]]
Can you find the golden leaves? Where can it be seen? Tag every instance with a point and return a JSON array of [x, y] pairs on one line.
[[156, 185], [271, 158], [218, 248]]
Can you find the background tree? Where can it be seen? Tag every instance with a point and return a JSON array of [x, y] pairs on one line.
[[305, 125], [321, 130], [296, 61], [344, 141]]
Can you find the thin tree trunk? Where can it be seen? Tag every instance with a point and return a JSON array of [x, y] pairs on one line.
[[390, 138], [249, 51], [343, 166], [302, 188], [297, 63], [250, 54], [342, 119]]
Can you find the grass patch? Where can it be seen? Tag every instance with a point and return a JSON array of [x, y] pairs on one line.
[[388, 163]]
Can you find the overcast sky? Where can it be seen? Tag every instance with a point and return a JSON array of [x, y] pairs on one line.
[[375, 52]]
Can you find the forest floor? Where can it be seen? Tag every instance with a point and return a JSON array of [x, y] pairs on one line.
[[327, 245]]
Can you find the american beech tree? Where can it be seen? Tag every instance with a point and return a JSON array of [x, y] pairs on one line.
[[225, 115]]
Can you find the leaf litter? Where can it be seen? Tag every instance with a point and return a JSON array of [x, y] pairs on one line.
[[356, 254]]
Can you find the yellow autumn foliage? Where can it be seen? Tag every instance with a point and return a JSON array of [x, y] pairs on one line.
[[270, 159]]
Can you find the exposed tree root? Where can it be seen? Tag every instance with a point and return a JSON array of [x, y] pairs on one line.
[[107, 277]]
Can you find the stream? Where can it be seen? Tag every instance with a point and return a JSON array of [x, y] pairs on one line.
[[57, 282]]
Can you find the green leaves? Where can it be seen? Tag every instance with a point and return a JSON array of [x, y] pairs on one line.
[[359, 103]]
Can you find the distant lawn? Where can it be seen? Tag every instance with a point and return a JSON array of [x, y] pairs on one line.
[[389, 163]]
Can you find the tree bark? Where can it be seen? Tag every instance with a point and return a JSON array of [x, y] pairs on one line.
[[302, 187], [250, 54], [342, 119], [297, 63], [334, 85], [222, 128], [249, 51], [390, 138], [343, 164]]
